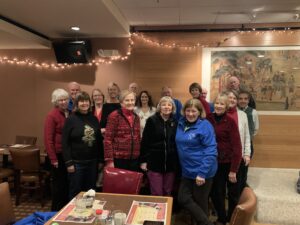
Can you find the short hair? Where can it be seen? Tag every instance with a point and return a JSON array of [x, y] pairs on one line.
[[113, 84], [195, 85], [139, 101], [101, 93], [242, 91], [58, 94], [223, 96], [235, 93], [74, 83], [124, 93], [166, 99], [196, 104], [81, 96]]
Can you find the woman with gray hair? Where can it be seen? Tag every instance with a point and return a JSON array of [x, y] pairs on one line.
[[54, 123], [158, 150], [122, 137]]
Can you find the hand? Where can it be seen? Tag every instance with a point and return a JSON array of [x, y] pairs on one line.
[[102, 130], [143, 166], [110, 164], [55, 165], [100, 166], [246, 160], [71, 169], [232, 177], [200, 181]]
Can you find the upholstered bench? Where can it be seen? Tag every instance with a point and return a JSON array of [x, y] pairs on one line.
[[278, 200]]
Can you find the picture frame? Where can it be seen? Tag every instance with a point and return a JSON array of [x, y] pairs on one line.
[[270, 74]]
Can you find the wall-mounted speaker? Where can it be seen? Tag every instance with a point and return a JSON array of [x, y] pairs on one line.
[[72, 51]]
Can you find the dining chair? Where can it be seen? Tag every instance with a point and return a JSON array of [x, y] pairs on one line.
[[245, 210], [121, 181], [27, 171], [6, 209], [27, 140], [5, 174]]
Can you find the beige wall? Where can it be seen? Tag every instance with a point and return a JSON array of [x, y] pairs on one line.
[[26, 91]]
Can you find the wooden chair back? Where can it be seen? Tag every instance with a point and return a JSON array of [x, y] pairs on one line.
[[27, 140]]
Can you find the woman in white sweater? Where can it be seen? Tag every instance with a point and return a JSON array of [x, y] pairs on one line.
[[242, 121]]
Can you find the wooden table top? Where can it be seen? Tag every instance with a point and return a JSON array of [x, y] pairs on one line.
[[123, 202]]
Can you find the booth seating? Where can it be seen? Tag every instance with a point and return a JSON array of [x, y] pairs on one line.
[[277, 199]]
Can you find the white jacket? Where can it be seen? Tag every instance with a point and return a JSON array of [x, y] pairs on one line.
[[244, 133]]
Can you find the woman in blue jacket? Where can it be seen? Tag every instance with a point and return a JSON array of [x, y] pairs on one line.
[[197, 151]]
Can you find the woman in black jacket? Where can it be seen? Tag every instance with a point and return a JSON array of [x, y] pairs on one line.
[[158, 150], [82, 146]]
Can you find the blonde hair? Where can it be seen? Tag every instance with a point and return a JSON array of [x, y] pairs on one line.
[[196, 104], [223, 97], [166, 99]]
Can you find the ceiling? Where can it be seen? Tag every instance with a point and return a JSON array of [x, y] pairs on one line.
[[47, 20]]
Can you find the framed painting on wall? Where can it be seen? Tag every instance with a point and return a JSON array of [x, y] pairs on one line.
[[271, 74]]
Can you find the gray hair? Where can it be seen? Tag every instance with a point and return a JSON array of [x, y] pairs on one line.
[[166, 99], [58, 94], [124, 93]]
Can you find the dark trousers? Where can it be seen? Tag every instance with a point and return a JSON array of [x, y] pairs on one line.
[[59, 185], [84, 177], [242, 176], [218, 193], [194, 198], [127, 164]]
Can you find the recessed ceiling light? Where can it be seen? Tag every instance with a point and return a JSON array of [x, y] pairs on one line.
[[261, 56], [75, 28]]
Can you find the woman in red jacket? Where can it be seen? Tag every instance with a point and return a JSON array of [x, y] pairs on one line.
[[229, 158], [122, 136], [54, 123]]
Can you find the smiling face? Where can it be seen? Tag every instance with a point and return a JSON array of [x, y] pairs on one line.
[[113, 92], [243, 100], [74, 88], [191, 114], [129, 101], [234, 83], [195, 92], [98, 97], [220, 105], [144, 98], [232, 100], [62, 103], [83, 106], [166, 108]]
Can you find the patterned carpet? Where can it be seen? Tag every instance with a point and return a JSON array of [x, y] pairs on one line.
[[28, 205]]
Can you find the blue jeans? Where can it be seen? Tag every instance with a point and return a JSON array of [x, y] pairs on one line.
[[83, 179]]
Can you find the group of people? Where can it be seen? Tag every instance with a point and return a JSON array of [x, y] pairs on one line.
[[207, 145]]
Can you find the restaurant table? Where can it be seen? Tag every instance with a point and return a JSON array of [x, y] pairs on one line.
[[4, 152], [123, 202]]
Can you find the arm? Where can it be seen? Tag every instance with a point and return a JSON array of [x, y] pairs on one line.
[[256, 121], [146, 141], [235, 141], [49, 135], [247, 141], [110, 133], [66, 145], [209, 149]]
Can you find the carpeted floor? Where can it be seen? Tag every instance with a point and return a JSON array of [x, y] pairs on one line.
[[29, 205], [278, 200]]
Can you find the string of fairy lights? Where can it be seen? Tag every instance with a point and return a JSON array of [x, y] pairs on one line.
[[138, 36]]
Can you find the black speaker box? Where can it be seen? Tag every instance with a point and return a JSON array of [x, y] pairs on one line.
[[72, 51]]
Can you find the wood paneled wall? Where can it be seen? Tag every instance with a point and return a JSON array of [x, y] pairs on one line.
[[277, 143]]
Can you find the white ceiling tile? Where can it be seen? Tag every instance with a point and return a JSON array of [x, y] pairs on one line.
[[160, 16], [232, 19]]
